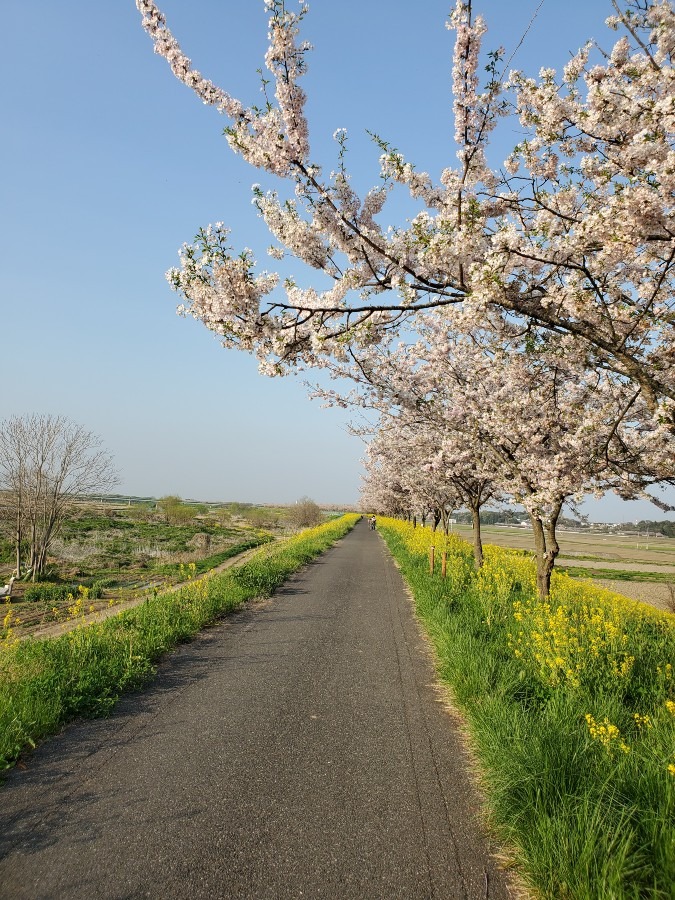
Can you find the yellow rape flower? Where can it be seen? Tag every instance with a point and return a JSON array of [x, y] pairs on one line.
[[606, 734], [642, 721]]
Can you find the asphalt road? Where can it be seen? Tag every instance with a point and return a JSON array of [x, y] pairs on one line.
[[298, 749]]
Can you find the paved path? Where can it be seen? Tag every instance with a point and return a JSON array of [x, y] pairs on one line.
[[298, 749]]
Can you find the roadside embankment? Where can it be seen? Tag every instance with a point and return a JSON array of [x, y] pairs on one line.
[[570, 706]]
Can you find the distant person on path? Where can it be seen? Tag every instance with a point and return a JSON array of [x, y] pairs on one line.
[[373, 523]]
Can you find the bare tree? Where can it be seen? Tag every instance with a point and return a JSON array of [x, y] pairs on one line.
[[45, 462], [305, 513]]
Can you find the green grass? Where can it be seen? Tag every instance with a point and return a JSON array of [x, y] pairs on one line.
[[118, 536], [585, 820], [201, 566], [618, 574], [44, 683]]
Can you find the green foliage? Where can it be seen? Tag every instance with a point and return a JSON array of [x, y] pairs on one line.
[[665, 527], [49, 592], [98, 585], [238, 509], [260, 517], [7, 551], [119, 537], [176, 512], [43, 683], [223, 515], [617, 574], [210, 562], [56, 592]]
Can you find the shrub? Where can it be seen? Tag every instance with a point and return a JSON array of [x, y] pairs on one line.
[[305, 513]]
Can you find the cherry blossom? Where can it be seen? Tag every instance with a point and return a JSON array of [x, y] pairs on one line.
[[576, 238]]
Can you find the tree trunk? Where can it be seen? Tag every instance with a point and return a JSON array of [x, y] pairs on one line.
[[546, 549], [33, 550], [477, 540], [19, 535]]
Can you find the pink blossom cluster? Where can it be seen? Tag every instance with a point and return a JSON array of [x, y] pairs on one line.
[[476, 416], [167, 46]]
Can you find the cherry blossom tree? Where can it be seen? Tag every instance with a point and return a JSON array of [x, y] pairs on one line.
[[541, 427], [575, 237], [435, 472], [541, 294], [381, 492], [499, 412], [405, 452]]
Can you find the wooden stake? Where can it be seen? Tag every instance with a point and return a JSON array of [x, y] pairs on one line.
[[431, 560]]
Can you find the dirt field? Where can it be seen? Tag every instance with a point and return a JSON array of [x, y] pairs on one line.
[[657, 595]]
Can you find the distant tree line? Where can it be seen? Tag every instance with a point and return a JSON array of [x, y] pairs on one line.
[[665, 527]]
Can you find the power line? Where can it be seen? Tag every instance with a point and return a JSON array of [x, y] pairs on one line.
[[524, 35]]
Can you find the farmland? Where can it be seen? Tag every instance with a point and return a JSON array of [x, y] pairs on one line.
[[108, 554], [636, 566]]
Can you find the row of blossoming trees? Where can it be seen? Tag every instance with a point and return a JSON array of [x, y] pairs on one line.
[[516, 335]]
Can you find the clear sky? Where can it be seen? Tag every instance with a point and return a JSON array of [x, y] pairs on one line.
[[109, 165]]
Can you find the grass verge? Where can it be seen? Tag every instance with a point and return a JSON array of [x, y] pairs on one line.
[[570, 705], [44, 683], [619, 574]]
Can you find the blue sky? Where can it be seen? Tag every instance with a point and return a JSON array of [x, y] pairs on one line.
[[109, 165]]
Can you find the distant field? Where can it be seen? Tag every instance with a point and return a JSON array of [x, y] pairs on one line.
[[603, 549], [641, 567]]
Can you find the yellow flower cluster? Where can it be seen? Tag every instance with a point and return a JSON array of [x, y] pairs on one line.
[[580, 636], [188, 572], [665, 673], [460, 569], [568, 638], [503, 571], [7, 637], [606, 734], [642, 721], [418, 539], [77, 603]]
